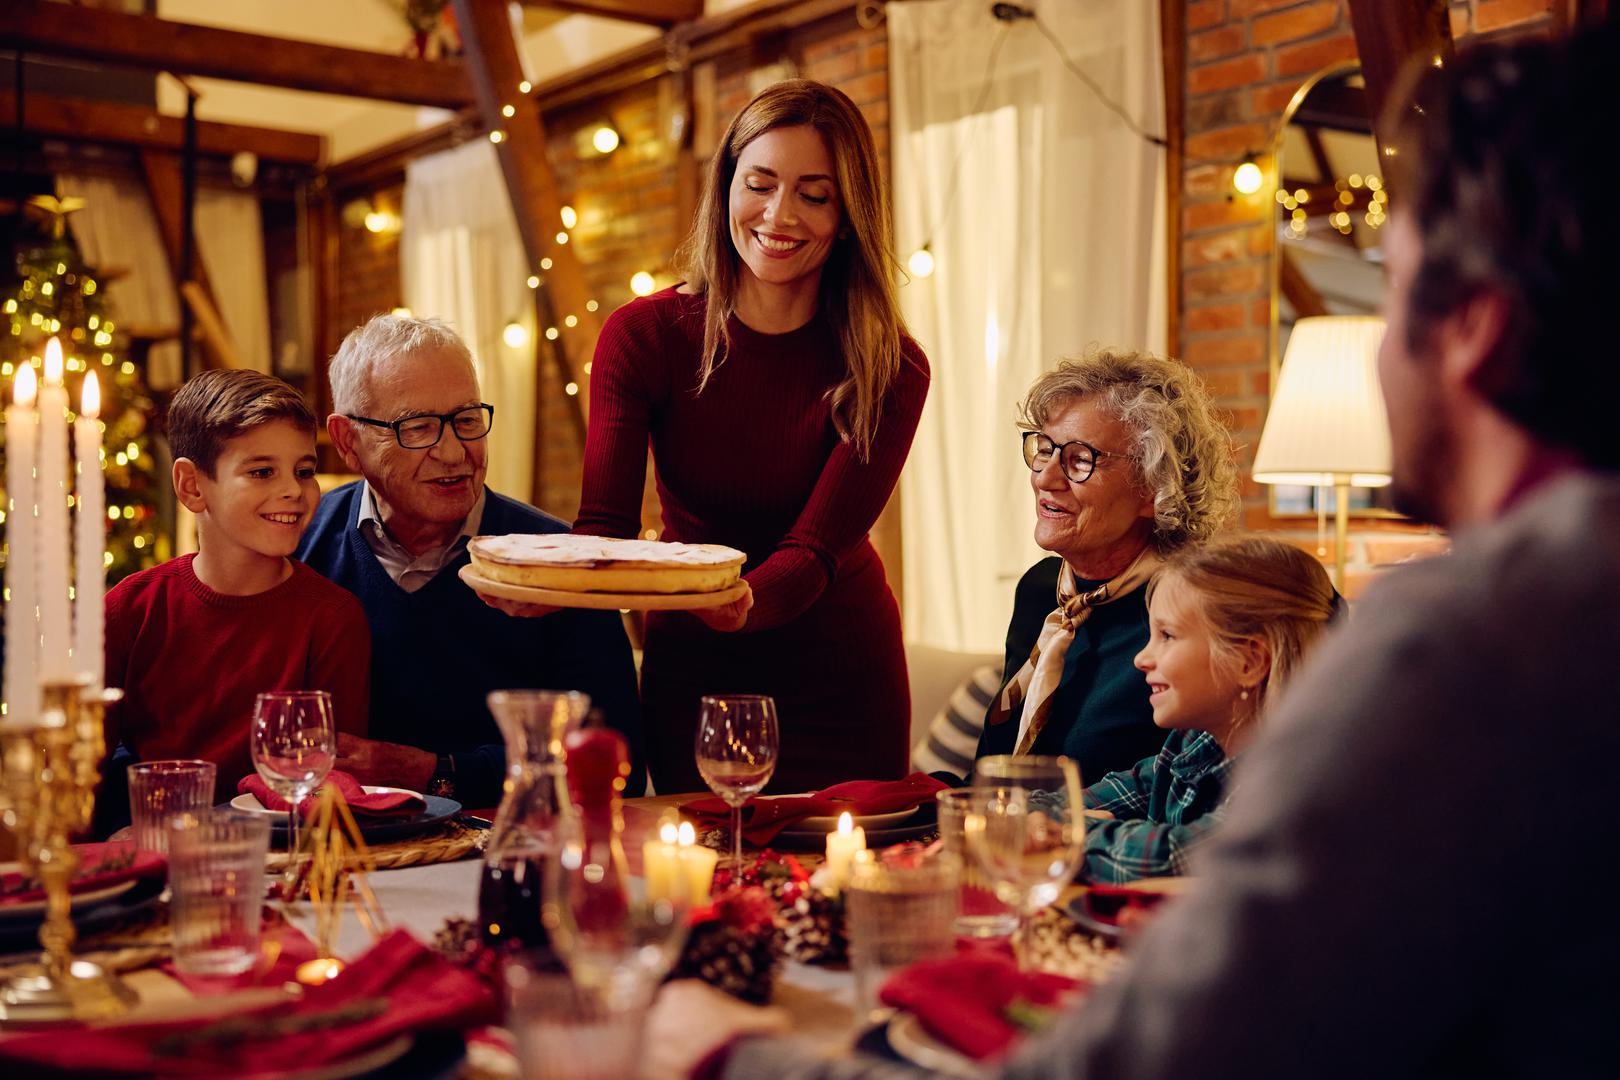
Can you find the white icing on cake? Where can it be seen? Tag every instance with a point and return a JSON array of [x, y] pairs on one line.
[[567, 549]]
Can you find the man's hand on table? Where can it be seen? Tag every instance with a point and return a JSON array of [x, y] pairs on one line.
[[371, 761], [691, 1020]]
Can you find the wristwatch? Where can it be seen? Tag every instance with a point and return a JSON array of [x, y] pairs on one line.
[[443, 781]]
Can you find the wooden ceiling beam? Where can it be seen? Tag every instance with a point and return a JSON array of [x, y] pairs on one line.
[[1299, 293], [1389, 34], [144, 41], [492, 59], [83, 120], [663, 13]]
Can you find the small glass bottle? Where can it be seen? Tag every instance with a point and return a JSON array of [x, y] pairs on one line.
[[535, 819]]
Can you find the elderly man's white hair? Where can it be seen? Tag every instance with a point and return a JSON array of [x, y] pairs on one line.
[[377, 339]]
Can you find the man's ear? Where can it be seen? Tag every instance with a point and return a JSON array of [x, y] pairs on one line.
[[341, 429], [1470, 340], [186, 487]]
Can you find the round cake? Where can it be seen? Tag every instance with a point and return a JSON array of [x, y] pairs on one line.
[[563, 562]]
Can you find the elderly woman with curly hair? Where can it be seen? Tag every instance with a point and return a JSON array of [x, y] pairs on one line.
[[1128, 463]]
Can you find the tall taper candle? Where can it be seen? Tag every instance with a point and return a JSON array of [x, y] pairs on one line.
[[89, 536], [22, 617], [54, 542]]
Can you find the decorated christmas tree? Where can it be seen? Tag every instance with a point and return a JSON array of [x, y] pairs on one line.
[[54, 294]]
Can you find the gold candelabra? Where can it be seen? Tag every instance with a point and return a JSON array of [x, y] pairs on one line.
[[51, 768]]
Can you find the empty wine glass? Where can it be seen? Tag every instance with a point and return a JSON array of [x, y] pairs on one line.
[[293, 744], [736, 753], [1026, 831]]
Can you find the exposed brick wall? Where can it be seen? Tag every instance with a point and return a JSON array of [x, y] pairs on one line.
[[1245, 60]]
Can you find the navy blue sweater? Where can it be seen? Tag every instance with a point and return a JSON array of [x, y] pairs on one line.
[[436, 652]]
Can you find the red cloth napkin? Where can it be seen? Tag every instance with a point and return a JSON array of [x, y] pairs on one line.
[[764, 818], [1118, 905], [963, 1000], [100, 865], [397, 988], [364, 804]]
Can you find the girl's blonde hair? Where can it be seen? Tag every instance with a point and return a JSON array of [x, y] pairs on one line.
[[1254, 588], [857, 283]]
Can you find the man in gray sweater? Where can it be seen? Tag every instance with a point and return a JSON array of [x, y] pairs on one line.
[[1412, 878]]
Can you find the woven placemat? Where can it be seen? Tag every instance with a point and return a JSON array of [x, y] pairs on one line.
[[447, 843]]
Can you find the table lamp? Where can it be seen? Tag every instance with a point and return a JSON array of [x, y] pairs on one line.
[[1327, 423]]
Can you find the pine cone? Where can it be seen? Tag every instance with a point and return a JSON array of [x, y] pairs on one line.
[[740, 962], [811, 923]]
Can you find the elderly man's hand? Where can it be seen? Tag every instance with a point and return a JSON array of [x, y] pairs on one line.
[[519, 608], [728, 617], [371, 761], [690, 1020]]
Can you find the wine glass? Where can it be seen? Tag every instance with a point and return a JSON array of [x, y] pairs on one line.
[[1026, 831], [736, 753], [293, 745]]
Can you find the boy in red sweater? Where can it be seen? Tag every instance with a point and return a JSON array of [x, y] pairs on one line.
[[193, 641]]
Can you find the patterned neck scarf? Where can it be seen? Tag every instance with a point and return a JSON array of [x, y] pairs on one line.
[[1039, 677]]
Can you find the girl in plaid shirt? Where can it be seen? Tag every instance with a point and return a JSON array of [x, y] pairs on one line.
[[1227, 623]]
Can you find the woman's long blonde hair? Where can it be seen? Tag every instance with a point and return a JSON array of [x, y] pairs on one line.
[[857, 290]]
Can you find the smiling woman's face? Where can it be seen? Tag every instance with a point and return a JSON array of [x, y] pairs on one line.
[[785, 210], [1100, 525]]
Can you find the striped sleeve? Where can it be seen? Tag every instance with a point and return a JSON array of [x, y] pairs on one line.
[[953, 734]]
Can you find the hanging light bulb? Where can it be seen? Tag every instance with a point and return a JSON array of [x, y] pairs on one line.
[[515, 335], [1247, 178], [605, 139], [642, 283], [921, 263]]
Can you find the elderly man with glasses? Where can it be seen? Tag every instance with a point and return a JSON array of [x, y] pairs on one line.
[[408, 417]]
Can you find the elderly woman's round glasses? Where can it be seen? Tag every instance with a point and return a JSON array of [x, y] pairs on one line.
[[1077, 459], [421, 432]]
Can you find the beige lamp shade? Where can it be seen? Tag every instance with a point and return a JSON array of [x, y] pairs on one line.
[[1327, 416]]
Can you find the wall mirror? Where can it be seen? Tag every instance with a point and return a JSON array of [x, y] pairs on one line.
[[1330, 211]]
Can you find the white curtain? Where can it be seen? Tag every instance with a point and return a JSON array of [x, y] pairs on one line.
[[463, 262], [230, 240], [117, 233], [1045, 217]]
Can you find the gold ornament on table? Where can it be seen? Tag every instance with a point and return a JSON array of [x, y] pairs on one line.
[[338, 862], [52, 766]]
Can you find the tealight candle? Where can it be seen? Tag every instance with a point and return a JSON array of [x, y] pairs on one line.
[[660, 864], [842, 846], [697, 865]]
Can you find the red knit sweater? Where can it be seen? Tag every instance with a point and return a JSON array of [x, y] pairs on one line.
[[191, 660], [754, 461]]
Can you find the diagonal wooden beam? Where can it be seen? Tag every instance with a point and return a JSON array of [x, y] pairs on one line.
[[1389, 33], [79, 119], [664, 13], [492, 59], [143, 41], [165, 185], [1299, 293]]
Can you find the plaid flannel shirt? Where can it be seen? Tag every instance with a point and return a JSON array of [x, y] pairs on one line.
[[1163, 807]]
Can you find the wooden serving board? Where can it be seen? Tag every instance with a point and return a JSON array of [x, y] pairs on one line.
[[601, 600]]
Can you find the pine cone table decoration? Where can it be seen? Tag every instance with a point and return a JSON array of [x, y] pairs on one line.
[[734, 945]]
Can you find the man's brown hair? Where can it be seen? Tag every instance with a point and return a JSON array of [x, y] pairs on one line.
[[217, 406]]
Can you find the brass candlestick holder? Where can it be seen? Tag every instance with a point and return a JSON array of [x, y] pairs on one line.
[[47, 792]]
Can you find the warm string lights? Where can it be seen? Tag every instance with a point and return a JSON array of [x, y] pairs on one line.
[[1355, 193]]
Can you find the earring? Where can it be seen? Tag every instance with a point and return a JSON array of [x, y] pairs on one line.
[[1244, 696]]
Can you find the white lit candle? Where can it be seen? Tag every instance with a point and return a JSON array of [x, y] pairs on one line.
[[842, 846], [697, 865], [22, 617], [54, 542], [90, 536], [660, 864]]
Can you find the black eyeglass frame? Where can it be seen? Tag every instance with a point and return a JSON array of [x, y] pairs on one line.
[[1032, 450], [442, 418]]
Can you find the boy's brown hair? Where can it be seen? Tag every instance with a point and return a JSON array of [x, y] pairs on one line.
[[216, 406]]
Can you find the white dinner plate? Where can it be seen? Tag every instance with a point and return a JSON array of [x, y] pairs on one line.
[[828, 824], [249, 803], [913, 1042], [30, 909]]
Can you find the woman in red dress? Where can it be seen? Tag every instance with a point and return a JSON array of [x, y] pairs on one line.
[[779, 394]]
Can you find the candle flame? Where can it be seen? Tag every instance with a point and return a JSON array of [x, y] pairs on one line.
[[25, 388], [53, 362], [666, 833], [688, 835], [90, 401], [846, 824]]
